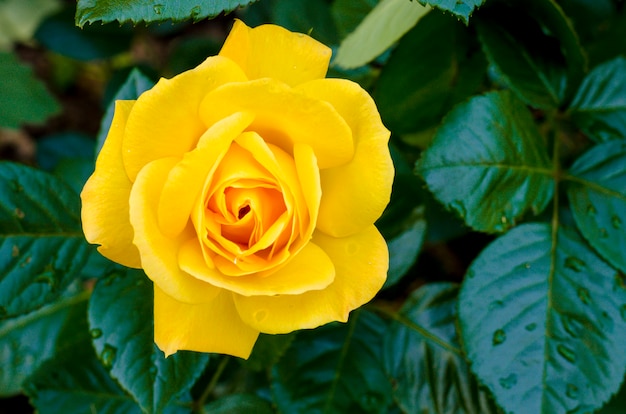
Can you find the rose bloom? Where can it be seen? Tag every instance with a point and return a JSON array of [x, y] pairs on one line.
[[246, 189]]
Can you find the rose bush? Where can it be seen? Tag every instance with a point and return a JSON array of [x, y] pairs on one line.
[[246, 189]]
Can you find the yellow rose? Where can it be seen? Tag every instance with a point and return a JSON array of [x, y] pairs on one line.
[[246, 189]]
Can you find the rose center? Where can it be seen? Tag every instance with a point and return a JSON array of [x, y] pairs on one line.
[[243, 211]]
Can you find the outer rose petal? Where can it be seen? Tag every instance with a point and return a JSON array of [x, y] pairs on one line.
[[165, 122], [214, 326], [270, 51], [355, 194], [284, 117], [105, 196], [361, 262], [159, 253]]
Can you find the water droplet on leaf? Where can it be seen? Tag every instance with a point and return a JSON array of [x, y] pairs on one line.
[[531, 327], [572, 391], [108, 355], [583, 295], [591, 210], [95, 333], [566, 353], [574, 263], [499, 336], [508, 382], [616, 222]]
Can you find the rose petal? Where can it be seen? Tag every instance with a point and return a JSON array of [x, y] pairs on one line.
[[105, 196], [165, 122], [270, 51], [214, 326], [185, 181], [361, 262], [310, 269], [284, 117], [159, 253], [355, 194]]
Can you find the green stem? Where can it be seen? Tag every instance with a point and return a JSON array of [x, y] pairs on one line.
[[211, 385]]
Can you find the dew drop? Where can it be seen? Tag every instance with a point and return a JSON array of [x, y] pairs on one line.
[[583, 295], [108, 355], [574, 263], [622, 312], [572, 326], [616, 222], [508, 382], [572, 391], [158, 8], [260, 315], [95, 333], [531, 327], [566, 353], [499, 336], [496, 304], [591, 210]]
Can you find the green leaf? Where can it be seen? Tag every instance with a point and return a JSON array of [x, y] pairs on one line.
[[489, 163], [90, 11], [74, 382], [24, 99], [239, 404], [58, 33], [543, 322], [461, 9], [616, 404], [135, 85], [20, 18], [599, 107], [121, 322], [382, 27], [27, 341], [349, 13], [306, 16], [268, 349], [42, 247], [597, 193], [415, 97], [423, 357], [54, 148], [544, 77], [334, 369], [405, 247]]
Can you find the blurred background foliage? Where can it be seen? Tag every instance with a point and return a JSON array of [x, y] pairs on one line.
[[506, 284]]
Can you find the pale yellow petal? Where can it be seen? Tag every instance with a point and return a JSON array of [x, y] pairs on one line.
[[310, 269], [214, 326], [361, 262], [284, 117], [185, 181], [165, 122], [105, 197], [355, 194], [270, 51], [159, 253]]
